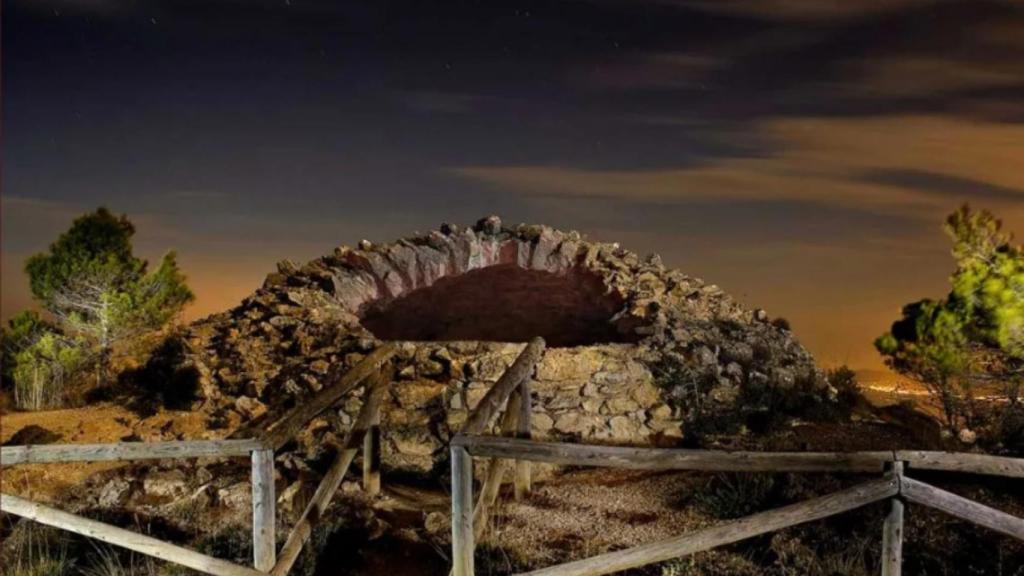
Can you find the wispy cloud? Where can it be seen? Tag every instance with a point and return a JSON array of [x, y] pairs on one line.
[[819, 160], [805, 10]]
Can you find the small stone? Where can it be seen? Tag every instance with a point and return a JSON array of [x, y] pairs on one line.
[[734, 371], [114, 493], [620, 405], [249, 407], [436, 523], [320, 366], [236, 497], [165, 484], [622, 428], [203, 475], [293, 500], [541, 422], [490, 225], [967, 436], [456, 402], [592, 405], [576, 423], [661, 412]]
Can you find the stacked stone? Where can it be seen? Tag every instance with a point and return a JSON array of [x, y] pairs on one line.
[[693, 346]]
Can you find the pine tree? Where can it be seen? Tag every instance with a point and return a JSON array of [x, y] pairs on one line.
[[99, 292], [976, 333]]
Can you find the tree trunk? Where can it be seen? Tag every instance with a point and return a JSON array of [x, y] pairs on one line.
[[103, 366]]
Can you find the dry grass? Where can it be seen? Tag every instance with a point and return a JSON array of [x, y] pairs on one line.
[[588, 512]]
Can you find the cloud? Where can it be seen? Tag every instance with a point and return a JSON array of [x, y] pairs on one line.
[[917, 76], [806, 10], [953, 187], [827, 161]]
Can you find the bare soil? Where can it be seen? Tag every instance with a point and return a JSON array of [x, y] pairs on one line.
[[97, 423]]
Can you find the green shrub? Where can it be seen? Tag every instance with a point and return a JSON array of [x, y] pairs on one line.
[[735, 495], [42, 371], [844, 380]]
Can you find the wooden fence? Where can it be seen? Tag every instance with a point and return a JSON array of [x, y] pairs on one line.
[[364, 434], [514, 444], [512, 447]]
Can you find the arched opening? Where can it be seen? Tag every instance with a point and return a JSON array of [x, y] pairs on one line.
[[503, 303]]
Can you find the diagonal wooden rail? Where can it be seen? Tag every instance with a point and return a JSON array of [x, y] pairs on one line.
[[284, 430], [263, 499], [513, 444], [364, 433], [124, 538], [895, 487], [314, 511], [735, 531], [464, 516]]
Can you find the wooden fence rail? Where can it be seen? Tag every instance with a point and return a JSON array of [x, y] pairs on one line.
[[124, 538], [894, 486], [364, 434], [512, 388], [729, 532], [264, 500], [671, 459], [52, 453], [512, 444], [321, 499], [284, 430]]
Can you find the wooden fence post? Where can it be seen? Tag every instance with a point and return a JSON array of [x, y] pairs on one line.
[[462, 512], [522, 477], [371, 455], [490, 485], [892, 532], [264, 504]]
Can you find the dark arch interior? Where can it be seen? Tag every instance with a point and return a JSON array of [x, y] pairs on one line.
[[503, 303]]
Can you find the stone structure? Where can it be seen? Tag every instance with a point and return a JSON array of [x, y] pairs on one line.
[[637, 352]]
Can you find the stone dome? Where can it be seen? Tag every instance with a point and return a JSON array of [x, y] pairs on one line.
[[637, 352]]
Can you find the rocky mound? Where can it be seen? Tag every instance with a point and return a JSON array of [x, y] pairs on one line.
[[637, 352]]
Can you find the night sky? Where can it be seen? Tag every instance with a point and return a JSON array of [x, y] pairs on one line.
[[799, 153]]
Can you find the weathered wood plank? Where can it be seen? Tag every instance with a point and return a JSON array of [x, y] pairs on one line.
[[264, 505], [892, 532], [954, 505], [522, 478], [282, 431], [462, 512], [124, 538], [496, 470], [671, 459], [48, 453], [892, 540], [963, 462], [321, 499], [489, 405], [372, 455], [734, 531]]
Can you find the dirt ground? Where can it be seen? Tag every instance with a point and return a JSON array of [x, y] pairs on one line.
[[572, 515], [97, 423]]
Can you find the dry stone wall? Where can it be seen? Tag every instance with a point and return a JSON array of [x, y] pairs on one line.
[[668, 349]]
